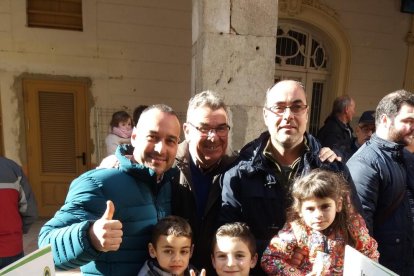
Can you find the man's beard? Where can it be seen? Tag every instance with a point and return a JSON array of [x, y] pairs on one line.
[[399, 137]]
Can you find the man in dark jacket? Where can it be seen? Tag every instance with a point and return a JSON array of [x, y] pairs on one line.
[[336, 132], [107, 219], [18, 210], [202, 159], [383, 172], [256, 189]]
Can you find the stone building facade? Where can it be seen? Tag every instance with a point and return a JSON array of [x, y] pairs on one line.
[[144, 52]]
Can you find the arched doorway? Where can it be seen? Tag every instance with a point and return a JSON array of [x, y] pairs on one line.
[[313, 48], [302, 56]]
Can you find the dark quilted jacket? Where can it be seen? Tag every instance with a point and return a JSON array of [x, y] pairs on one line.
[[382, 171], [253, 194]]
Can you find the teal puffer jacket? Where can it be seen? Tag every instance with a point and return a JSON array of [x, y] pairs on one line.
[[139, 203]]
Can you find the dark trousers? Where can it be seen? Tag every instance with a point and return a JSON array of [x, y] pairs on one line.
[[5, 261]]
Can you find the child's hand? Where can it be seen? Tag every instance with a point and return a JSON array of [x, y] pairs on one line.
[[297, 257], [202, 273]]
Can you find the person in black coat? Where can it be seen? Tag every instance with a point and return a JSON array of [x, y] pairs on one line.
[[256, 190], [383, 173], [337, 133]]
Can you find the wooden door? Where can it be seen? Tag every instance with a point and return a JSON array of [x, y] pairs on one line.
[[57, 135]]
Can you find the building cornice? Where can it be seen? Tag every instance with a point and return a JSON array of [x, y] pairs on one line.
[[295, 7]]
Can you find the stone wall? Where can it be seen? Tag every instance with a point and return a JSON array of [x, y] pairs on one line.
[[134, 52]]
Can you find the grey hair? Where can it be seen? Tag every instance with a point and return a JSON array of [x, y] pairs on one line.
[[340, 104], [206, 98]]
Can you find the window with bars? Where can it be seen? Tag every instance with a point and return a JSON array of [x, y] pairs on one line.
[[297, 48], [316, 106], [56, 14], [302, 56]]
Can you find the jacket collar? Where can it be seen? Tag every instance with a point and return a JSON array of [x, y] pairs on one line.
[[139, 171], [254, 149], [395, 150], [182, 159], [385, 144]]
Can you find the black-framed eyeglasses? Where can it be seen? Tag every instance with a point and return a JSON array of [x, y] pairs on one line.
[[296, 109], [221, 130]]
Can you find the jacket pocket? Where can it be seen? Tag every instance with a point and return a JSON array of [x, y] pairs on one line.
[[263, 208], [391, 246]]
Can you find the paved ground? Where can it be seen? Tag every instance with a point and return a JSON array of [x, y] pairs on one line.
[[30, 244]]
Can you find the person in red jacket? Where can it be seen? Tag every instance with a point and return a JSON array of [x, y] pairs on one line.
[[18, 210]]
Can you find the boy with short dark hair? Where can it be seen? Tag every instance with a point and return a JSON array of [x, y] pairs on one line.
[[170, 248], [234, 249]]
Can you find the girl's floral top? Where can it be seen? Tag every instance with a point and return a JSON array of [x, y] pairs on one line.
[[297, 235]]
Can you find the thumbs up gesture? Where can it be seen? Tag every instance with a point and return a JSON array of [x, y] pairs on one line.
[[105, 233]]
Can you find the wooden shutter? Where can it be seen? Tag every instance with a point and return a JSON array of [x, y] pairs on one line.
[[57, 132], [57, 14]]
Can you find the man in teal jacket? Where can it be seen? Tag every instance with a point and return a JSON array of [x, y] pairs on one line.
[[106, 221]]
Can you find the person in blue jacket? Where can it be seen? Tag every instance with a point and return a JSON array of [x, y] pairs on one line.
[[106, 221]]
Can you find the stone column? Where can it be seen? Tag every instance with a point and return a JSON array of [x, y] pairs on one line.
[[234, 49], [409, 71]]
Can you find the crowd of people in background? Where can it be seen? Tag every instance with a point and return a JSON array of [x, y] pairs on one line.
[[337, 132], [287, 203]]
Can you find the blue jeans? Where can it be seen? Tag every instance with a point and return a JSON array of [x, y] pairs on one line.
[[5, 261]]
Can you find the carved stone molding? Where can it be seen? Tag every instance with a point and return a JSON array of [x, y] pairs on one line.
[[291, 7], [295, 7]]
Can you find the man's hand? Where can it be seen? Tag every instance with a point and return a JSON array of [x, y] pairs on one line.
[[105, 233], [326, 154]]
